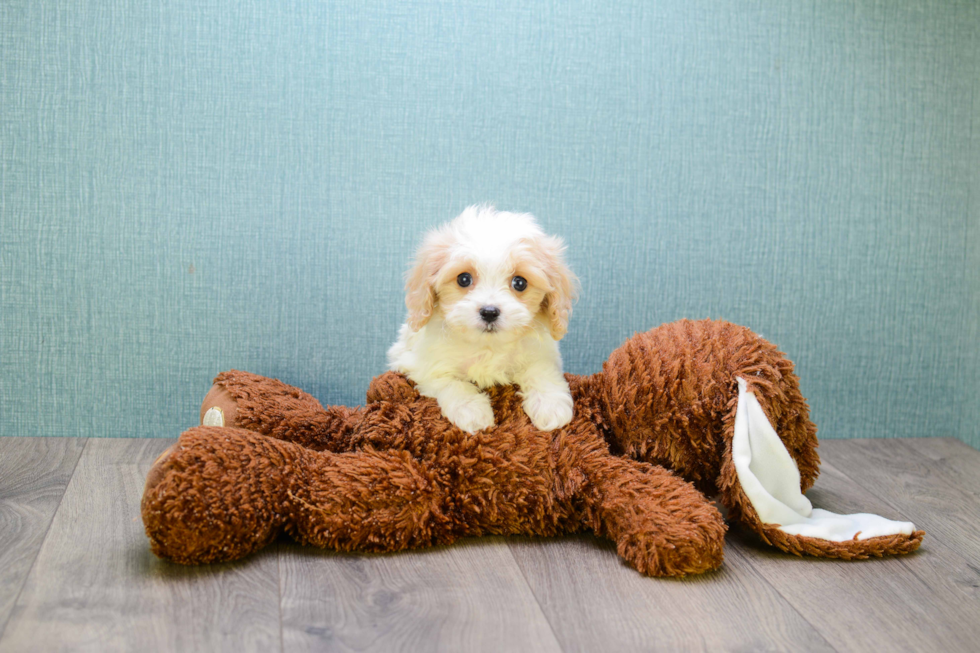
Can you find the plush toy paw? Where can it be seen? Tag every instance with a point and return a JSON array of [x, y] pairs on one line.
[[218, 408], [548, 410], [470, 412]]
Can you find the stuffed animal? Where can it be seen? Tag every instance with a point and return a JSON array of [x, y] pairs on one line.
[[678, 414]]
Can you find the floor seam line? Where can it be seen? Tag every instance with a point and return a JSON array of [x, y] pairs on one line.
[[47, 530], [282, 644], [785, 599], [537, 602]]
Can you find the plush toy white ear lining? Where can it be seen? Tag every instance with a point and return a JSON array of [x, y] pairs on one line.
[[771, 481]]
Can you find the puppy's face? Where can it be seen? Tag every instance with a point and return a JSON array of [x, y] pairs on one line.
[[491, 293], [491, 275]]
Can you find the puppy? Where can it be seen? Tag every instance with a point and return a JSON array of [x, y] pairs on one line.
[[488, 297]]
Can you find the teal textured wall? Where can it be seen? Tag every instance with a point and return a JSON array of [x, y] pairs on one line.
[[198, 185]]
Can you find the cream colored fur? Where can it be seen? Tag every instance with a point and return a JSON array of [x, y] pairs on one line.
[[451, 352]]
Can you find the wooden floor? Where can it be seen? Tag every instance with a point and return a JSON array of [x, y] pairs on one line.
[[76, 574]]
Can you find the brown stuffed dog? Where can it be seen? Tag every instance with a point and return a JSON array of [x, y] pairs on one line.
[[704, 399]]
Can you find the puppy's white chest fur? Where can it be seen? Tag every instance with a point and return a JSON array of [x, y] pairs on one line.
[[434, 352], [488, 367]]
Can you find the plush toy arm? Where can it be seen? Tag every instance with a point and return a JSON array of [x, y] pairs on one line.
[[661, 524], [273, 408]]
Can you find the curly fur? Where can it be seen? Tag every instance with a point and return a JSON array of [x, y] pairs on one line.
[[395, 474]]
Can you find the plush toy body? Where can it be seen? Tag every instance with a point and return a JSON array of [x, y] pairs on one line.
[[711, 401]]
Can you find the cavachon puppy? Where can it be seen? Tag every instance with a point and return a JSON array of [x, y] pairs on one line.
[[488, 297]]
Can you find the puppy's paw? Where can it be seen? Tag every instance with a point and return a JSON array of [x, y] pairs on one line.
[[548, 410], [470, 412]]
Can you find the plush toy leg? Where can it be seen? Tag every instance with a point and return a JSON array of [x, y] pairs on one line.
[[222, 493], [768, 499], [661, 524], [215, 495], [271, 407]]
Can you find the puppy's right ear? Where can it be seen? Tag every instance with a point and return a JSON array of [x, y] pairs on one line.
[[420, 289]]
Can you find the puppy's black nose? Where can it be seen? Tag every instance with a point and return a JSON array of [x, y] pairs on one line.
[[489, 314]]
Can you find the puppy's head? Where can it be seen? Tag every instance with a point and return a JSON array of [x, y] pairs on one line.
[[491, 274]]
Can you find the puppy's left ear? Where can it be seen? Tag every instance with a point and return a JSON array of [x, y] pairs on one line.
[[564, 286]]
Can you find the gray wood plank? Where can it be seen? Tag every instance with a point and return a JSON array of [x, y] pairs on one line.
[[95, 586], [34, 473], [596, 603], [467, 597], [928, 600], [958, 461], [921, 490]]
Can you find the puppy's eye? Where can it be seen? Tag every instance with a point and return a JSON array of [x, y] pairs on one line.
[[464, 279], [518, 284]]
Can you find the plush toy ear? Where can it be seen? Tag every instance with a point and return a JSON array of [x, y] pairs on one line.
[[564, 285], [770, 481], [420, 290]]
